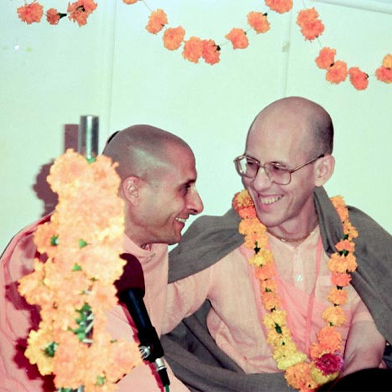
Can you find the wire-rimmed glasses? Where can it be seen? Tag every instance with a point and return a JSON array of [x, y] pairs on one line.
[[278, 173]]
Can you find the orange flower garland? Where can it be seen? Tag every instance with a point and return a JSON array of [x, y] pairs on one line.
[[196, 48], [311, 26], [74, 286], [238, 38], [325, 356]]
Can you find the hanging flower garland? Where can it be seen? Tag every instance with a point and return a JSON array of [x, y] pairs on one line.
[[74, 286], [325, 355], [78, 12], [195, 48]]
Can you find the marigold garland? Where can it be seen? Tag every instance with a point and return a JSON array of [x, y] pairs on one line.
[[196, 48], [326, 360], [74, 286]]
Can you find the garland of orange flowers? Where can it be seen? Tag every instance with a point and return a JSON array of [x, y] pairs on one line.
[[74, 286], [325, 355], [196, 48]]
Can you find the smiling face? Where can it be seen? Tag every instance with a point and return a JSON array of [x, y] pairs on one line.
[[158, 176], [165, 200], [282, 134]]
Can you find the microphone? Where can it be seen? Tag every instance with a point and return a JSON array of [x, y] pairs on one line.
[[130, 291]]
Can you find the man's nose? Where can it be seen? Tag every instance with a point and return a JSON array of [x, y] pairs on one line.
[[196, 204], [261, 181]]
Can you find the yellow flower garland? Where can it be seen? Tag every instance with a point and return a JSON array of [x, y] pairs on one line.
[[325, 355], [74, 286]]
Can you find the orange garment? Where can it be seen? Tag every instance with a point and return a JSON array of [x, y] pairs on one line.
[[17, 318], [236, 319]]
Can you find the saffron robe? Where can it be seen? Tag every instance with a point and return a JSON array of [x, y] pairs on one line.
[[192, 353]]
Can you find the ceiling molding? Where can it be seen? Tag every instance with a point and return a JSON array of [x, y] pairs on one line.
[[383, 6]]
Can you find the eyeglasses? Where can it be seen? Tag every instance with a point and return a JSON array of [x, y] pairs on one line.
[[248, 167]]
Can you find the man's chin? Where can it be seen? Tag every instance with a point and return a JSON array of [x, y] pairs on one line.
[[174, 240]]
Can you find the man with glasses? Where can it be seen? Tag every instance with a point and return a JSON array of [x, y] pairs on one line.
[[223, 298]]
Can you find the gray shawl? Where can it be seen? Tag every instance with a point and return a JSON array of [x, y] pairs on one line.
[[190, 350]]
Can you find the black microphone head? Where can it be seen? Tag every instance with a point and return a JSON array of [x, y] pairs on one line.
[[132, 277]]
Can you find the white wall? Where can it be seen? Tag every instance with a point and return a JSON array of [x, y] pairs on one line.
[[112, 67]]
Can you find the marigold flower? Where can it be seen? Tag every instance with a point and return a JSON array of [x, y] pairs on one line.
[[247, 212], [251, 225], [265, 272], [328, 340], [281, 339], [337, 73], [268, 285], [311, 26], [280, 6], [156, 21], [350, 230], [43, 239], [261, 258], [358, 79], [289, 359], [326, 58], [340, 207], [278, 317], [298, 377], [80, 10], [53, 16], [30, 13], [345, 245], [384, 74], [211, 52], [242, 199], [258, 21], [334, 315], [238, 38], [387, 61], [341, 263], [270, 300], [173, 37], [337, 296], [126, 356], [38, 341], [340, 279], [193, 49], [30, 286], [70, 353]]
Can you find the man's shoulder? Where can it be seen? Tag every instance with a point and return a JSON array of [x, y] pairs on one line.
[[207, 240], [23, 238]]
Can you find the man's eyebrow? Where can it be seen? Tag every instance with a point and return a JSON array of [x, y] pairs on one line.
[[281, 163], [190, 181]]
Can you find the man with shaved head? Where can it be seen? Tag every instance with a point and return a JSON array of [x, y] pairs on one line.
[[264, 297], [158, 175]]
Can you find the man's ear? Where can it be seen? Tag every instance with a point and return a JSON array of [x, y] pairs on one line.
[[130, 187], [324, 169]]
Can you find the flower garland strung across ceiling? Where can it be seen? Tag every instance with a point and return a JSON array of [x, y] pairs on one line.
[[195, 48]]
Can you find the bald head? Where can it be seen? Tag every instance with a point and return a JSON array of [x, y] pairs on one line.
[[141, 150], [317, 135]]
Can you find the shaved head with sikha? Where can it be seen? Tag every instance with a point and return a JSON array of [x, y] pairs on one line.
[[158, 176], [141, 150]]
